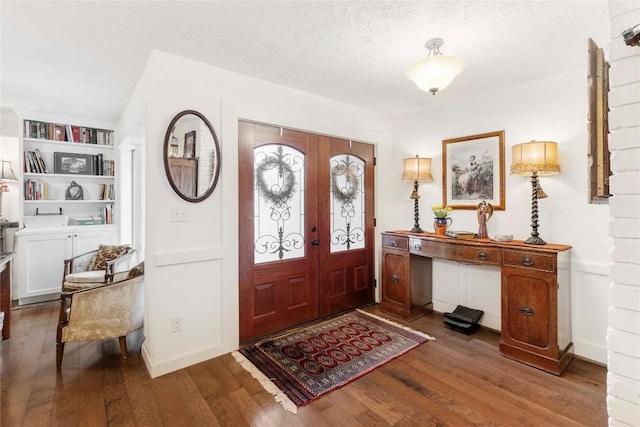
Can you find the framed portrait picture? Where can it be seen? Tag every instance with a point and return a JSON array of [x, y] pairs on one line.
[[473, 171], [190, 145], [73, 163]]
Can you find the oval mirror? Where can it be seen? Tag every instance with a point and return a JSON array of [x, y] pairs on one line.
[[191, 156]]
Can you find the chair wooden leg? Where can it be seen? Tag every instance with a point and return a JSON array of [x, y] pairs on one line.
[[123, 347], [59, 354]]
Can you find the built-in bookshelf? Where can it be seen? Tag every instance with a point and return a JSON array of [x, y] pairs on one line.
[[69, 168]]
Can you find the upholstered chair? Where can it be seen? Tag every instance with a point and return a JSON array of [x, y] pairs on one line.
[[110, 310], [95, 267]]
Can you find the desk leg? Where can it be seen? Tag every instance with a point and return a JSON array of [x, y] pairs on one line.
[[5, 298]]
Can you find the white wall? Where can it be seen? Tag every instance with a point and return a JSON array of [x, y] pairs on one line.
[[191, 268], [623, 335], [551, 109], [9, 130]]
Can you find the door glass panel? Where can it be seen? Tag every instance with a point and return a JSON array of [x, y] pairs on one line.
[[279, 190], [347, 203]]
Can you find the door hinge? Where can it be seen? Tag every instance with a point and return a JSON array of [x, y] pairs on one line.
[[375, 283], [374, 222], [375, 161]]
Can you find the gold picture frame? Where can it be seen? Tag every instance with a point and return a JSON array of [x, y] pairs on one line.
[[598, 127], [473, 171]]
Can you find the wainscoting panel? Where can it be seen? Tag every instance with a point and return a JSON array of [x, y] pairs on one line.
[[479, 287], [589, 301]]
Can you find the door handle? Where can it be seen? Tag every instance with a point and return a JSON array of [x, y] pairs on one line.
[[315, 242]]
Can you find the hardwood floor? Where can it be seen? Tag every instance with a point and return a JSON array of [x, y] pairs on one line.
[[457, 380]]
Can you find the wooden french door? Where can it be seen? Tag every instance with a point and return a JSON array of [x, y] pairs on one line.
[[306, 227]]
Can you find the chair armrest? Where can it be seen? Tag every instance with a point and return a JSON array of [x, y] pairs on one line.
[[120, 264], [79, 263], [63, 316]]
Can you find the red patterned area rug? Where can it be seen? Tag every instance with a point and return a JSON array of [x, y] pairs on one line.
[[300, 366]]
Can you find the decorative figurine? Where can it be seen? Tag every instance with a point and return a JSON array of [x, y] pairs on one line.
[[74, 192], [485, 212]]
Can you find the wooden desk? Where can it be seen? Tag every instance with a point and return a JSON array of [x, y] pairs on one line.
[[6, 261], [535, 292]]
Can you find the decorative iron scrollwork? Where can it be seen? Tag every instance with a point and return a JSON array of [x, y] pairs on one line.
[[346, 181], [276, 182]]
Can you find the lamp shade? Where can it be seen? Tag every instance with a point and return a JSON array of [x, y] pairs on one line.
[[435, 73], [417, 169], [6, 173], [535, 156]]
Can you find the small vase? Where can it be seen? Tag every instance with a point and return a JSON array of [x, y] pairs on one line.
[[440, 225]]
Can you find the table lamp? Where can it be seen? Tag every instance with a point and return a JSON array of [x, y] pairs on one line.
[[416, 169], [535, 158], [6, 173]]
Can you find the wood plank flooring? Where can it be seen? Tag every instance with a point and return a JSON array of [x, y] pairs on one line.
[[457, 380]]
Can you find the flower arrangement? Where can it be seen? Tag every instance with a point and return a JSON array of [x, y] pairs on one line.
[[441, 211]]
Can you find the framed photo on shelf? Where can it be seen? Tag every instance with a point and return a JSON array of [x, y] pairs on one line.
[[473, 171], [190, 145], [73, 163]]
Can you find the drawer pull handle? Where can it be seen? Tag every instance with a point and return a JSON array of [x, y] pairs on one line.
[[527, 261], [527, 311], [394, 244], [483, 255], [418, 246], [395, 278]]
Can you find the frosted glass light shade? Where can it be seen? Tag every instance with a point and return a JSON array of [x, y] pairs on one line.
[[435, 73], [417, 169], [535, 156]]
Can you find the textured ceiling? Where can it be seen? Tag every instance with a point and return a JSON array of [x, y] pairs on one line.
[[84, 58]]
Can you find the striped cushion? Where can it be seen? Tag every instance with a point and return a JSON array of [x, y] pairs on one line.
[[84, 279]]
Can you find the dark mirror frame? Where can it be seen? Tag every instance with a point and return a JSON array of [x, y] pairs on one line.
[[165, 153]]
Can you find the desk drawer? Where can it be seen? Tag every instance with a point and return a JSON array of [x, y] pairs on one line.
[[533, 261], [395, 242], [478, 255], [431, 249]]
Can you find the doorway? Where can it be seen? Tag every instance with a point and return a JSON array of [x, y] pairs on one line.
[[306, 207]]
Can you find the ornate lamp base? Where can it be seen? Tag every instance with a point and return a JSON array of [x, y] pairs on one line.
[[535, 238], [416, 209]]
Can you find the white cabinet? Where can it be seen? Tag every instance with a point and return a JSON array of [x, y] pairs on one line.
[[41, 254]]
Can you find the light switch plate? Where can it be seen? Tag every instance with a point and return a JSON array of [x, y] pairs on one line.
[[178, 214]]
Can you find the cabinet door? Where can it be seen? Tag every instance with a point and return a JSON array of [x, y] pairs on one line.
[[396, 286], [529, 309], [41, 263], [85, 241]]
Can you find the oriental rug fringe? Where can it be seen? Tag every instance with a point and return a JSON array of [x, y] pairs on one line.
[[299, 366]]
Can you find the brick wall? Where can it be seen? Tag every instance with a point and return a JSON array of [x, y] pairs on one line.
[[623, 334]]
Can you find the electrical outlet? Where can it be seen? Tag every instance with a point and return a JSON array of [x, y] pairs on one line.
[[176, 324]]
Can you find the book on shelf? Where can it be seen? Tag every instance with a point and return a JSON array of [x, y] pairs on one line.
[[106, 192], [34, 162], [89, 220], [99, 161], [35, 189], [64, 132], [75, 132], [106, 214], [456, 234], [41, 162], [59, 133]]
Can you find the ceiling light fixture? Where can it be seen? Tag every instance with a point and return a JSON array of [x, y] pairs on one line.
[[436, 71]]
